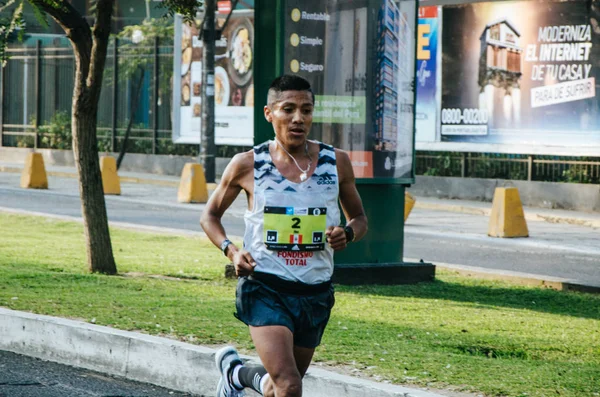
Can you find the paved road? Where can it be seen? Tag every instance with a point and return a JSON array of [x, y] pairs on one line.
[[557, 250], [149, 205], [22, 376]]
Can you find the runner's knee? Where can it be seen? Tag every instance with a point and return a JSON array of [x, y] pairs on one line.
[[288, 384]]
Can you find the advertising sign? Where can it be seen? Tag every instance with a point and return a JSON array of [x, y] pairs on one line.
[[234, 83], [427, 74], [359, 57], [520, 77]]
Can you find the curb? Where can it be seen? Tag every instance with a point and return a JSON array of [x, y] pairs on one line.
[[530, 215], [534, 280], [150, 359]]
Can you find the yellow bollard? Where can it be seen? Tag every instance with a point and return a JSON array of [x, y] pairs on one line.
[[409, 203], [192, 188], [507, 218], [110, 178], [34, 173]]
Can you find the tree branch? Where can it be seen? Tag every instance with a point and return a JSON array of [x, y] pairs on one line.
[[75, 26], [101, 32]]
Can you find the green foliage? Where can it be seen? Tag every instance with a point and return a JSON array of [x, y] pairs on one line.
[[41, 16], [8, 26], [103, 144], [230, 151], [25, 141], [576, 174], [187, 8], [139, 55], [443, 165], [163, 146], [57, 134]]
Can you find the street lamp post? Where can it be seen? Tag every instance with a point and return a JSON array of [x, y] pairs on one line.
[[207, 143]]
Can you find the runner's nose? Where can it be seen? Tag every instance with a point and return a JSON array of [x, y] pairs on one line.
[[298, 117]]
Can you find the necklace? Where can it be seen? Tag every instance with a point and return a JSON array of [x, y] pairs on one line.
[[304, 173]]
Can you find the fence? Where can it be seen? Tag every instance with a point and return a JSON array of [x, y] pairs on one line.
[[37, 83], [516, 167]]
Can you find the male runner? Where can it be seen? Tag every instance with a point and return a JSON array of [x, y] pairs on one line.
[[284, 292]]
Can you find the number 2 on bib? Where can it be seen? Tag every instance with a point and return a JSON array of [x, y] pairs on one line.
[[295, 229]]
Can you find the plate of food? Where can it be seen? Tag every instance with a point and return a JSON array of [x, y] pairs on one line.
[[241, 53], [185, 94], [186, 60], [222, 87]]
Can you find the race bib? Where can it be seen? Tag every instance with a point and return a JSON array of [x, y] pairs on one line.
[[295, 229]]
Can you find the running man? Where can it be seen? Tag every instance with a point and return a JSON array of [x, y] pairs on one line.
[[284, 292]]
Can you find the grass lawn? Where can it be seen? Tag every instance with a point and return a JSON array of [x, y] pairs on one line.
[[456, 333]]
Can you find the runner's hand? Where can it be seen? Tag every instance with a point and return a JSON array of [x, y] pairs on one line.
[[244, 263], [336, 237]]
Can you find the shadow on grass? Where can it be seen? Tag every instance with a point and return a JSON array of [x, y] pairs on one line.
[[535, 299]]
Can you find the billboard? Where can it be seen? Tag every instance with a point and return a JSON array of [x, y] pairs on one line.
[[518, 77], [359, 57], [427, 74], [234, 83]]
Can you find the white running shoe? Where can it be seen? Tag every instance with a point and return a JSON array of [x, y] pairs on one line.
[[227, 359]]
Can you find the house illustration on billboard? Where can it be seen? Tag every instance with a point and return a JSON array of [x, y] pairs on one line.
[[500, 73]]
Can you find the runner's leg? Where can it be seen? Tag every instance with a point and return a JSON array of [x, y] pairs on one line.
[[303, 356], [275, 347]]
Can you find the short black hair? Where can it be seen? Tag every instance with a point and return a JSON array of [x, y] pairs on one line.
[[288, 82]]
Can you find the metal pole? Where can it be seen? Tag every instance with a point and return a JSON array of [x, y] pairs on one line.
[[464, 165], [113, 132], [530, 168], [207, 143], [155, 104], [57, 82], [2, 71], [38, 89]]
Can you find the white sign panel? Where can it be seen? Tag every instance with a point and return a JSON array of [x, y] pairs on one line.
[[233, 83]]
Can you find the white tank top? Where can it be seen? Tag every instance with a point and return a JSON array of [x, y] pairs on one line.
[[285, 230]]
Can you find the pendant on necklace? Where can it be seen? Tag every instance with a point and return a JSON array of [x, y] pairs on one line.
[[303, 176]]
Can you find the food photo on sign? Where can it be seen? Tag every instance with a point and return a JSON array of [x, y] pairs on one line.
[[234, 61], [234, 82]]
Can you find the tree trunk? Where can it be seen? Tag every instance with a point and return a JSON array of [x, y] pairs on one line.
[[95, 221], [100, 257], [90, 47]]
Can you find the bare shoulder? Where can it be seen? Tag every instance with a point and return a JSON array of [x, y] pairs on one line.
[[344, 166], [240, 165], [342, 156]]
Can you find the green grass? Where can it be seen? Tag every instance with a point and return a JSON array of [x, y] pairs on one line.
[[457, 333]]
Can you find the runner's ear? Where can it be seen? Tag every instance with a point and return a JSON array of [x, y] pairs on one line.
[[268, 116]]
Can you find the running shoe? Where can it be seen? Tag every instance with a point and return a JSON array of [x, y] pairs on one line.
[[227, 359]]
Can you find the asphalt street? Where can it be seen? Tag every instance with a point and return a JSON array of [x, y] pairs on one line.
[[22, 376], [553, 249], [557, 250]]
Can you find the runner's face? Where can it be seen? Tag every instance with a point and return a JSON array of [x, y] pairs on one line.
[[291, 117]]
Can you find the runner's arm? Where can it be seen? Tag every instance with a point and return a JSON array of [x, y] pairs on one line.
[[222, 198], [349, 197]]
